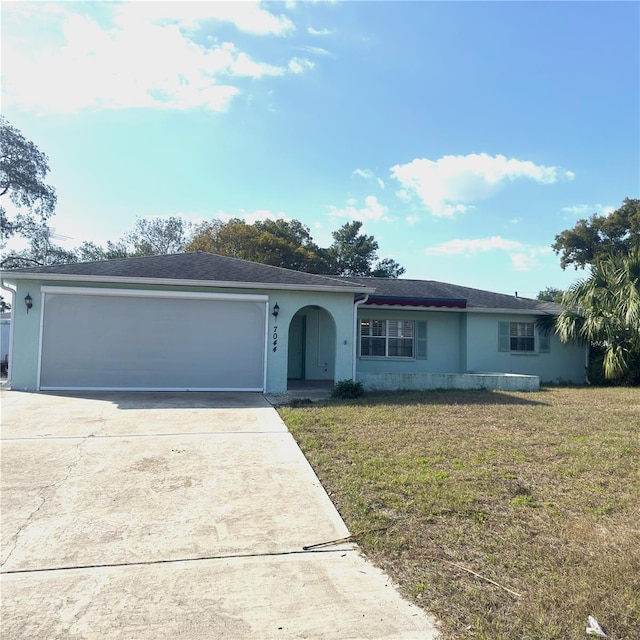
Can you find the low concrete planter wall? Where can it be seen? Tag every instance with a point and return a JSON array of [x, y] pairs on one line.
[[421, 381]]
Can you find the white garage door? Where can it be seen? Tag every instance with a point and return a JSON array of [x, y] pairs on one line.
[[141, 340]]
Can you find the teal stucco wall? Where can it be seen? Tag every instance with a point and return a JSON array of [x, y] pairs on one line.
[[467, 342], [337, 343]]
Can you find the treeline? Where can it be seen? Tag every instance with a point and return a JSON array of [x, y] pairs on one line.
[[281, 243]]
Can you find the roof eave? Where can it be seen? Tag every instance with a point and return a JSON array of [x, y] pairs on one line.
[[226, 284], [527, 312]]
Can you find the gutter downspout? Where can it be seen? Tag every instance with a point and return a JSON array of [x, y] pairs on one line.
[[356, 304], [12, 292]]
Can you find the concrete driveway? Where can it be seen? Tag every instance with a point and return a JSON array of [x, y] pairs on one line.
[[175, 515]]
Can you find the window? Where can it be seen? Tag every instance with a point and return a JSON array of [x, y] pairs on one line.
[[387, 338], [517, 336], [521, 334]]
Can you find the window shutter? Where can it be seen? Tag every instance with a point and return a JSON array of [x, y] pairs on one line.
[[504, 338], [421, 340], [544, 341]]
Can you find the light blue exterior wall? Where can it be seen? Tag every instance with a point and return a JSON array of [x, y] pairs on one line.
[[458, 342], [564, 362], [444, 347], [336, 342], [25, 335], [467, 342]]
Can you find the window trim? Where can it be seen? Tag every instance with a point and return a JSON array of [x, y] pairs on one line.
[[521, 334], [387, 337], [514, 332]]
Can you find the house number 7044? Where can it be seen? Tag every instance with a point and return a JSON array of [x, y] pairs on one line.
[[275, 338]]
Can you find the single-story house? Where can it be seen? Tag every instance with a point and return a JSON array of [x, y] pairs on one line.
[[198, 321]]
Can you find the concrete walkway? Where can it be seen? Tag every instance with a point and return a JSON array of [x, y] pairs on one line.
[[166, 516]]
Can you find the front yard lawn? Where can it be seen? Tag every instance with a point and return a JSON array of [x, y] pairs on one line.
[[537, 492]]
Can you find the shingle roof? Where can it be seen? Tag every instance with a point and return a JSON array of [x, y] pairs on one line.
[[210, 268], [197, 266], [431, 291]]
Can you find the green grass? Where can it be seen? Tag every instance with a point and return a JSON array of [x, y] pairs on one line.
[[538, 492]]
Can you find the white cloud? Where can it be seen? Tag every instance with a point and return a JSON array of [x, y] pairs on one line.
[[318, 51], [367, 174], [523, 261], [319, 32], [373, 210], [458, 246], [448, 185], [246, 16], [300, 65], [411, 220], [250, 217], [587, 209], [145, 56], [529, 259], [522, 258]]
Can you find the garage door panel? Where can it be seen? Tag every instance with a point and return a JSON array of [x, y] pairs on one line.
[[94, 341]]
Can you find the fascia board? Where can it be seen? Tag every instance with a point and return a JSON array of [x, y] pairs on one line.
[[176, 282], [155, 293], [522, 312], [527, 312]]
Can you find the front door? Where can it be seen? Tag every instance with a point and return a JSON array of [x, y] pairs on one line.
[[297, 341]]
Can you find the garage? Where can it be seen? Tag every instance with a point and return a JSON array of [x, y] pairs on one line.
[[133, 339]]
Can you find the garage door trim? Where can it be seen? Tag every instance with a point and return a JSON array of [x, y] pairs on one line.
[[138, 293]]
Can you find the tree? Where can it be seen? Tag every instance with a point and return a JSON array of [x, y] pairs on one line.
[[23, 169], [295, 244], [42, 250], [600, 236], [289, 244], [550, 294], [604, 310], [279, 243], [92, 252], [353, 254], [149, 237], [158, 236], [387, 268]]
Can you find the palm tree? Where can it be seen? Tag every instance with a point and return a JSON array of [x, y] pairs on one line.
[[604, 310]]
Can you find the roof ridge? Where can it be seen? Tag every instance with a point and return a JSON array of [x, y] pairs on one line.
[[333, 278]]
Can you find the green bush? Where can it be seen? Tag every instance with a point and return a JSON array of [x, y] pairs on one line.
[[347, 390], [596, 370]]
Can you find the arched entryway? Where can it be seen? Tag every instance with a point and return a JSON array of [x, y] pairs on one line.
[[311, 347]]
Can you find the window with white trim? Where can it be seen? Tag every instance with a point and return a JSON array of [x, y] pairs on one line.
[[387, 338]]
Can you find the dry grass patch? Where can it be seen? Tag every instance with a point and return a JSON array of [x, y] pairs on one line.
[[538, 492]]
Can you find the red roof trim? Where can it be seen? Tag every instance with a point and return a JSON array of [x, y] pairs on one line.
[[394, 301]]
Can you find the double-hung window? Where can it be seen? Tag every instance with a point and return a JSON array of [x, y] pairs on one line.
[[521, 337], [387, 338]]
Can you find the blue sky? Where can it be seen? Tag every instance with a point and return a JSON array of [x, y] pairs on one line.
[[465, 135]]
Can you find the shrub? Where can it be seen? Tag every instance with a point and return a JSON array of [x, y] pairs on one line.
[[347, 390], [596, 370]]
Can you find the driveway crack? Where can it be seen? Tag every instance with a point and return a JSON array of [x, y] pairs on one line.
[[43, 499]]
